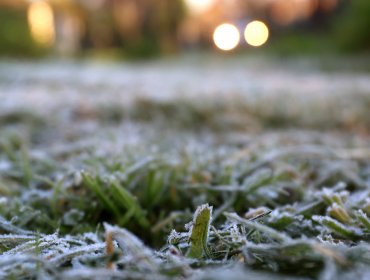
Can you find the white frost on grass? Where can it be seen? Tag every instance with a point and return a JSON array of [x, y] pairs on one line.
[[134, 251], [337, 227], [79, 251], [28, 86]]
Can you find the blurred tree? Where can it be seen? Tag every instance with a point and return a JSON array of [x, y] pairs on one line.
[[14, 33], [352, 29], [148, 27], [165, 22], [140, 28]]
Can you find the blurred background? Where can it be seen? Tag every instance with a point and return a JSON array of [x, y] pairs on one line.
[[126, 29]]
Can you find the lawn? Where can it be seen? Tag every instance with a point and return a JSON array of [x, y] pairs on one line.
[[202, 168]]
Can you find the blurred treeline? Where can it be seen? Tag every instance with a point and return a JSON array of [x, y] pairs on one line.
[[15, 38], [131, 28], [147, 28]]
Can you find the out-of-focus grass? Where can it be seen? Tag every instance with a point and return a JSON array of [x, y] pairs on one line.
[[234, 114], [346, 111]]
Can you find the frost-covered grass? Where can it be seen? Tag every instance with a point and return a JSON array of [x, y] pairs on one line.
[[286, 203], [175, 189]]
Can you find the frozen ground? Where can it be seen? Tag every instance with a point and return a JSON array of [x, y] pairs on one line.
[[141, 146]]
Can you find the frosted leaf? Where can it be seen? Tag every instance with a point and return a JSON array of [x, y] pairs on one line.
[[337, 227], [132, 247], [339, 212], [199, 232]]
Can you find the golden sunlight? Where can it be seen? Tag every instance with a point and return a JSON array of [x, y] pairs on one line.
[[256, 33], [285, 12], [226, 37], [41, 23], [199, 6]]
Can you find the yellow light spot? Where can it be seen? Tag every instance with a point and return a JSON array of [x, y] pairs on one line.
[[199, 6], [256, 33], [41, 23], [226, 37]]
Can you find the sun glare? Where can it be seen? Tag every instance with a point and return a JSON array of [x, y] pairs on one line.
[[256, 33], [41, 23], [226, 37], [199, 6]]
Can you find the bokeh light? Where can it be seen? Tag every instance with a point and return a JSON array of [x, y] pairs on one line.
[[199, 6], [256, 33], [41, 22], [226, 37]]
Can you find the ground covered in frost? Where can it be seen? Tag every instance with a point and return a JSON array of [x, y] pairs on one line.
[[197, 168]]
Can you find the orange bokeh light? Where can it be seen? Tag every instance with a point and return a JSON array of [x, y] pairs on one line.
[[41, 22]]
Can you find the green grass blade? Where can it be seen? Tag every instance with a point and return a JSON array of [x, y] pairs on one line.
[[199, 232]]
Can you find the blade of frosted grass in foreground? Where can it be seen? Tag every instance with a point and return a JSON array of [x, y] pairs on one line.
[[132, 247], [272, 233], [199, 232]]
